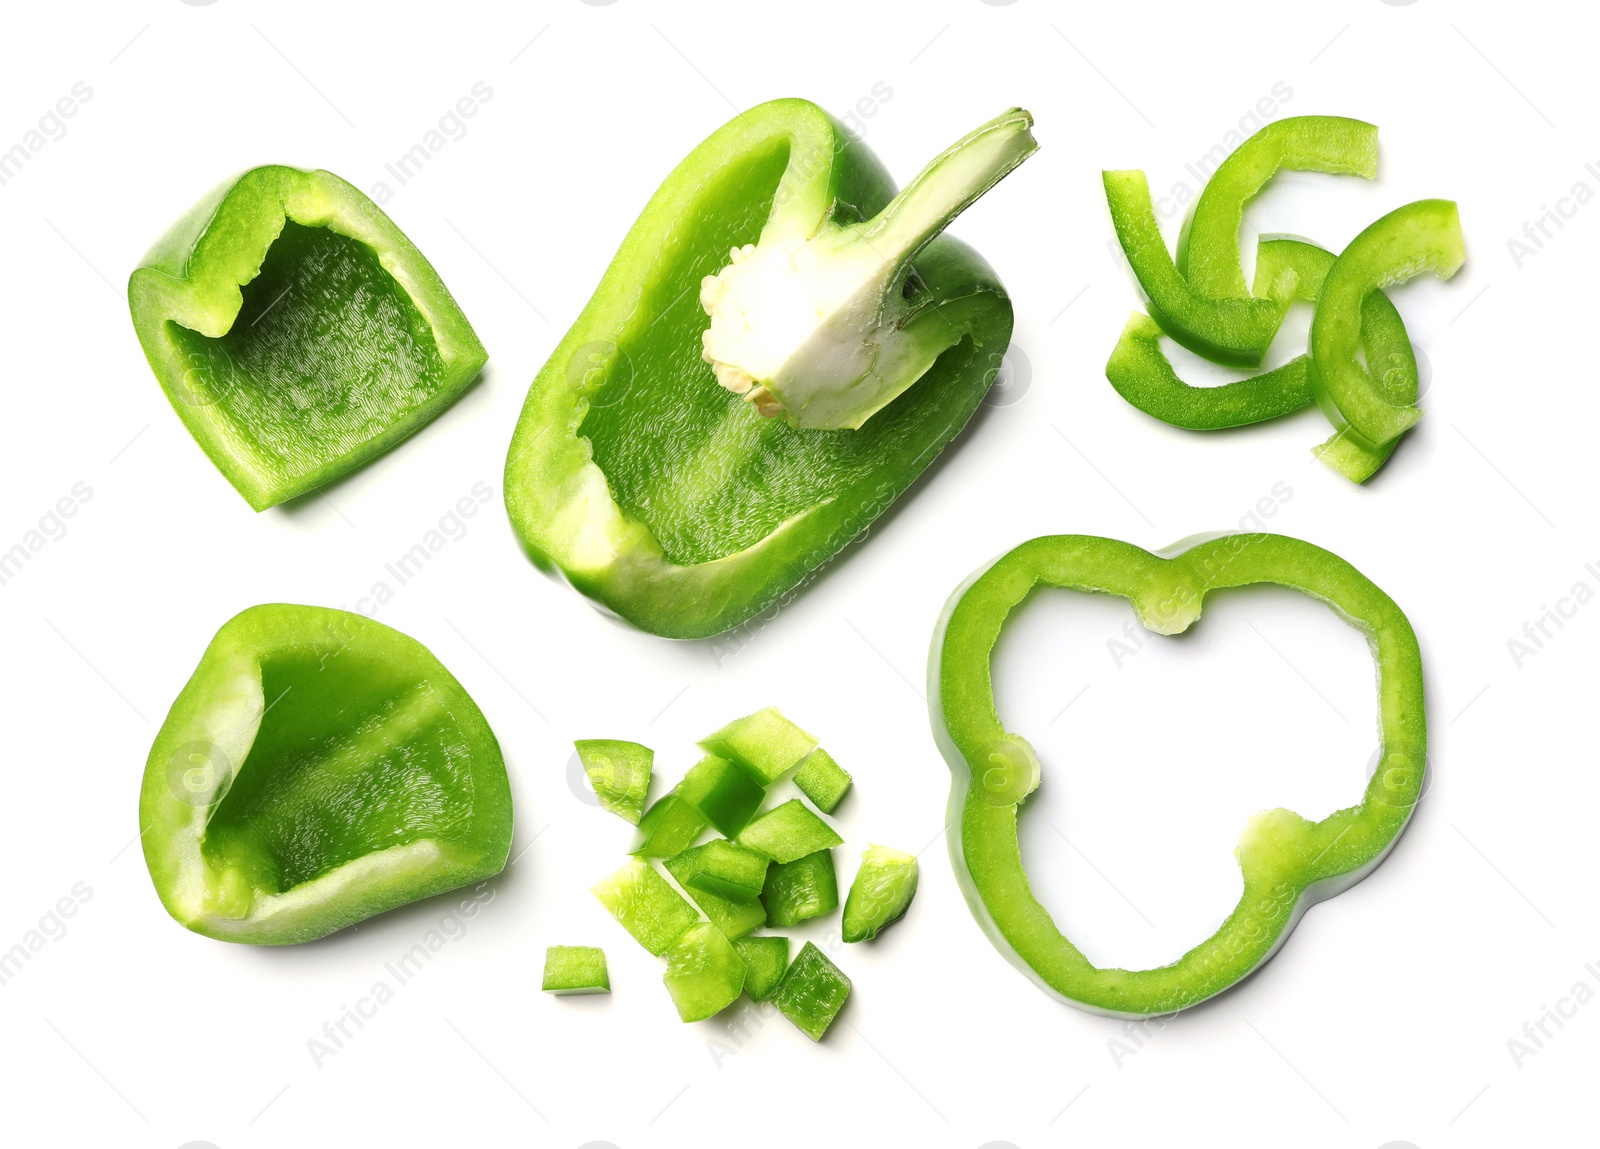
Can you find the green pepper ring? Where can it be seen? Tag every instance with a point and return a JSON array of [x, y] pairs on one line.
[[1288, 863]]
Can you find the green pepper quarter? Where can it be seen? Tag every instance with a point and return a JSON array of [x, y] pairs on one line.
[[669, 499], [296, 331], [318, 768], [1287, 862]]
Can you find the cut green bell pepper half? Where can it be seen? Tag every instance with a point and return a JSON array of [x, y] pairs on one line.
[[1287, 862], [296, 331], [669, 499], [1211, 314], [318, 768], [1419, 237]]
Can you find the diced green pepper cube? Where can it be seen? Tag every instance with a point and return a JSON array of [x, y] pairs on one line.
[[764, 743], [646, 905], [720, 867], [704, 973], [669, 827], [788, 832], [812, 992], [822, 780], [575, 969], [799, 890], [723, 792], [882, 889], [765, 959], [619, 774], [734, 919]]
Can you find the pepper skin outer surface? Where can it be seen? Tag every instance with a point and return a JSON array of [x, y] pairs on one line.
[[317, 769], [296, 331], [669, 499], [1287, 862]]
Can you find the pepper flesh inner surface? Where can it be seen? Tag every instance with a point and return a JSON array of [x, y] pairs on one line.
[[326, 353], [689, 459], [323, 786]]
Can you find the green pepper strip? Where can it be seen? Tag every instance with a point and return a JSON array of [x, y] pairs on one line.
[[1208, 247], [1287, 862], [1211, 314], [1286, 269], [666, 498], [1234, 331], [296, 331], [1393, 364], [1421, 236]]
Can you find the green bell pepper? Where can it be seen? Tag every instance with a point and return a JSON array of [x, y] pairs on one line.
[[296, 331], [765, 959], [646, 905], [812, 992], [800, 890], [669, 499], [669, 827], [619, 774], [765, 743], [733, 918], [705, 974], [1285, 269], [720, 867], [880, 894], [575, 970], [316, 769], [723, 792], [822, 780], [1419, 237], [1208, 246], [1200, 300], [1392, 363], [1287, 862], [789, 831]]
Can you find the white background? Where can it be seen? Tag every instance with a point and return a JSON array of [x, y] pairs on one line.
[[1386, 1017]]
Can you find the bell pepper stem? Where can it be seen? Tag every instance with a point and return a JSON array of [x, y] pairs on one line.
[[951, 183], [818, 327]]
